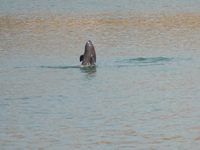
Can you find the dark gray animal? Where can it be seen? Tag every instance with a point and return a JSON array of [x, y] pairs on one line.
[[89, 57]]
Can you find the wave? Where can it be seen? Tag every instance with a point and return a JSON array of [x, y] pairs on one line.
[[148, 60], [60, 67]]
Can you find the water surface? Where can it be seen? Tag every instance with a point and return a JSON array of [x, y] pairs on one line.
[[143, 93]]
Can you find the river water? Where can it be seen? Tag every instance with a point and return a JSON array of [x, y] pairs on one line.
[[144, 92]]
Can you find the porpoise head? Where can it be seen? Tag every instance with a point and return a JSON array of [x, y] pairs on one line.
[[89, 56]]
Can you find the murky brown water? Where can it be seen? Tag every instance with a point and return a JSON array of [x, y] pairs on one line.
[[143, 94]]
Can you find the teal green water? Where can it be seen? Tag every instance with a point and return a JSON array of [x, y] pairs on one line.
[[141, 95]]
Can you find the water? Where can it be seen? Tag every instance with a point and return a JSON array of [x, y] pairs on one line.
[[95, 6], [143, 93]]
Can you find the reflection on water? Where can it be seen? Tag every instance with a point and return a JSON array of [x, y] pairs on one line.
[[144, 93], [90, 71]]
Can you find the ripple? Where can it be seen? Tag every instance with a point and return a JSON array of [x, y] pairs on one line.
[[60, 67], [147, 60]]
